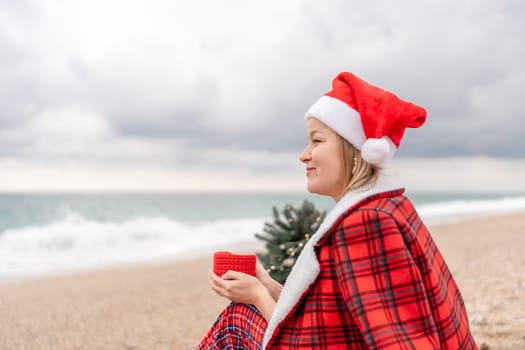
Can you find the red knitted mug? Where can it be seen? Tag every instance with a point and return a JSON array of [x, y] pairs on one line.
[[224, 261]]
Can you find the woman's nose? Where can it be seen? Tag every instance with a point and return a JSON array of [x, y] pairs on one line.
[[305, 156]]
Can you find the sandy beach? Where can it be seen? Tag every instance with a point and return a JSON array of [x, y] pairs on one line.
[[170, 306]]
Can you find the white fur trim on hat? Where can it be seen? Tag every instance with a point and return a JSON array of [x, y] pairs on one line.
[[346, 121], [340, 117]]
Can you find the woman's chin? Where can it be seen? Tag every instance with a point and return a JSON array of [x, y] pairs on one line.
[[313, 189]]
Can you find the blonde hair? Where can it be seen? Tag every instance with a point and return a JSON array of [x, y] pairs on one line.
[[356, 171]]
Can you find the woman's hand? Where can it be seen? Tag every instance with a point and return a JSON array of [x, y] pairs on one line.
[[272, 285], [262, 274], [237, 286], [243, 288]]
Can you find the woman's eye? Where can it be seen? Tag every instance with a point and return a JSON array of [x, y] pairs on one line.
[[314, 141]]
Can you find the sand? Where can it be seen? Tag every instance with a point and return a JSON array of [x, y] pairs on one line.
[[170, 306]]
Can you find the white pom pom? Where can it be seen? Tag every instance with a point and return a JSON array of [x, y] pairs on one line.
[[378, 151]]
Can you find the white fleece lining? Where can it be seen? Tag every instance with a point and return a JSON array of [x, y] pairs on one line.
[[306, 268], [340, 117]]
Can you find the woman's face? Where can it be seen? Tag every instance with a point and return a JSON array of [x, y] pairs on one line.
[[323, 159]]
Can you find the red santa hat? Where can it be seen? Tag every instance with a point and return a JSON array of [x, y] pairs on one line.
[[370, 118]]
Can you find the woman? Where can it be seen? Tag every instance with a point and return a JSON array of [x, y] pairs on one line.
[[371, 277]]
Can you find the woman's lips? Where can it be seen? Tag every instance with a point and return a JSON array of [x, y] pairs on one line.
[[309, 171]]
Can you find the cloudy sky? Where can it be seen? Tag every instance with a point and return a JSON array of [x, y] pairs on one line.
[[210, 95]]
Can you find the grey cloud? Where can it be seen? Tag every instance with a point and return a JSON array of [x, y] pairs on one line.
[[439, 59]]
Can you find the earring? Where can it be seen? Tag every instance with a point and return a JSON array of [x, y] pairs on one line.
[[354, 168]]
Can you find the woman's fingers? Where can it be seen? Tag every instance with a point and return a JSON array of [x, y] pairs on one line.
[[262, 274], [226, 286], [234, 285], [217, 285], [232, 275]]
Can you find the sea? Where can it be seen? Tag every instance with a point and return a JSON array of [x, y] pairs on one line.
[[45, 234]]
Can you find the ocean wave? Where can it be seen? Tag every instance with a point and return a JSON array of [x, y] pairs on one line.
[[72, 242], [75, 243], [456, 210]]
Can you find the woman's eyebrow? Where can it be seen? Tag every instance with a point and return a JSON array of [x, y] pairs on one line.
[[311, 133]]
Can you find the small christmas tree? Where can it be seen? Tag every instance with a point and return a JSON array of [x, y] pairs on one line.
[[286, 237]]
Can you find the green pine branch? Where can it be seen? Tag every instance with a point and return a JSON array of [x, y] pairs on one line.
[[286, 237]]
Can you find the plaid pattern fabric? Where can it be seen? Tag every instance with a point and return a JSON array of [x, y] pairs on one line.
[[383, 285], [238, 327]]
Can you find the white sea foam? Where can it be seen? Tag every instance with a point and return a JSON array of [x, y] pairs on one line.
[[461, 209], [75, 243]]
